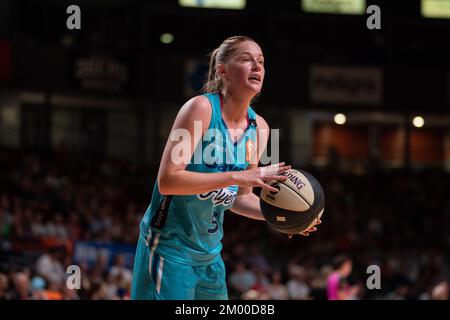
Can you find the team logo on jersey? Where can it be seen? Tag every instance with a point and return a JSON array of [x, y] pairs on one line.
[[250, 151], [223, 196]]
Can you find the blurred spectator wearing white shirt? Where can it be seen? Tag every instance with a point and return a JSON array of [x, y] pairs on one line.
[[297, 287], [50, 267]]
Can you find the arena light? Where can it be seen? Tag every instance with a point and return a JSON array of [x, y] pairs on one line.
[[166, 38], [418, 122], [356, 7], [340, 118], [214, 4], [435, 8]]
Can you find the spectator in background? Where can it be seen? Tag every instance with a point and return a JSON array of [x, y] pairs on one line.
[[50, 267], [70, 294], [100, 291], [111, 287], [255, 295], [4, 287], [297, 287], [22, 288], [57, 228], [99, 271], [440, 291], [242, 279], [319, 282], [38, 227], [411, 266], [119, 269], [400, 292], [257, 259], [261, 280], [276, 289], [40, 292], [337, 287]]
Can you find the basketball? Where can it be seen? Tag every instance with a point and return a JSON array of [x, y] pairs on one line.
[[297, 205]]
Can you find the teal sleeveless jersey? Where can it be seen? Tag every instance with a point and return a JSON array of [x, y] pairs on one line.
[[188, 229]]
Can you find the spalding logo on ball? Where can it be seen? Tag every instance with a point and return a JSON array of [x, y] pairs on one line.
[[296, 206]]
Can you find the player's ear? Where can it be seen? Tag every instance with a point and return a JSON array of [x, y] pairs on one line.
[[220, 70]]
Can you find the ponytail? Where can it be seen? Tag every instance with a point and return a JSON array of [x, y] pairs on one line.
[[213, 83]]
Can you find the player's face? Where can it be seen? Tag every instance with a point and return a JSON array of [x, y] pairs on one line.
[[348, 266], [245, 68]]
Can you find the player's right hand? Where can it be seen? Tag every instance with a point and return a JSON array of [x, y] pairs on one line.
[[257, 177]]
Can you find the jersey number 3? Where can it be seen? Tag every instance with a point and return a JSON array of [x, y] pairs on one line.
[[214, 221]]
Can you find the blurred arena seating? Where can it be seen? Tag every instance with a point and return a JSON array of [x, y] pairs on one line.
[[50, 207]]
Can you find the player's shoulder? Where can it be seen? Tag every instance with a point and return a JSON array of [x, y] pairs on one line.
[[261, 122], [198, 106], [199, 102]]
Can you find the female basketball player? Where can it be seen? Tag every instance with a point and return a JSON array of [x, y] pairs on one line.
[[178, 253]]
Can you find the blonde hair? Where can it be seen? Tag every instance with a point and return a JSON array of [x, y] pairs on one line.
[[221, 55]]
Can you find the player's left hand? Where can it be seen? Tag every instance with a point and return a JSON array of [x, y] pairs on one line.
[[312, 229]]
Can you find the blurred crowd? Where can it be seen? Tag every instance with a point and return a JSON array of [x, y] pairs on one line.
[[396, 220]]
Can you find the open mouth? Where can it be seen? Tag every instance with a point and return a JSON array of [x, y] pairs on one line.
[[255, 77]]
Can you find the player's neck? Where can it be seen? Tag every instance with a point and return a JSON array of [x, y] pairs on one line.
[[235, 106]]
